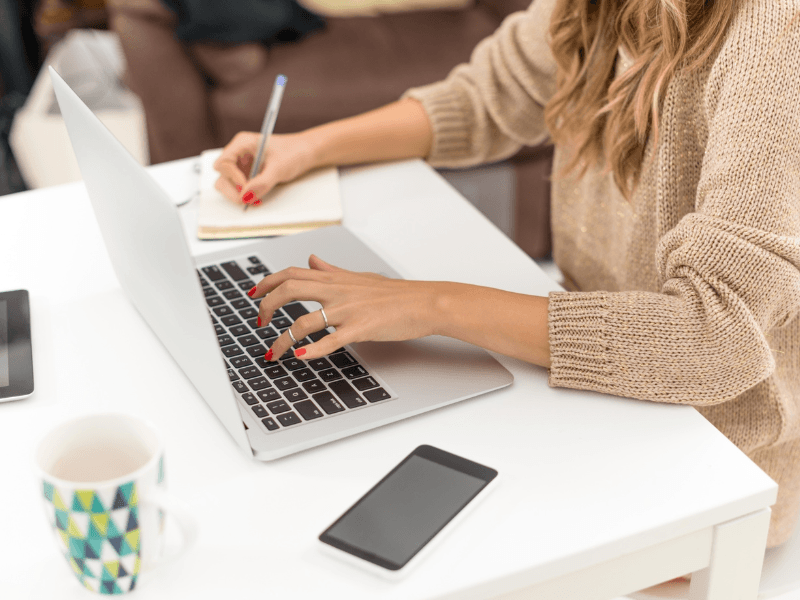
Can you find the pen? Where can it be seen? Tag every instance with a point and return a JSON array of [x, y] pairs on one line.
[[269, 122]]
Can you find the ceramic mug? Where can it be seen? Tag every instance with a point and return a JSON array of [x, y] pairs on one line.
[[102, 479]]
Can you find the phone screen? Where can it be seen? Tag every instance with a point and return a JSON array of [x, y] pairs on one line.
[[401, 514]]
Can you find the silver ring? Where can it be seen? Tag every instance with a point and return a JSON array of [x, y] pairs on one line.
[[289, 330], [324, 316]]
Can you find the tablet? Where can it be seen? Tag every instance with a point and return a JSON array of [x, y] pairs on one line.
[[16, 357]]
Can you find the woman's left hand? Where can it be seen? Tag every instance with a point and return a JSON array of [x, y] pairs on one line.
[[361, 306]]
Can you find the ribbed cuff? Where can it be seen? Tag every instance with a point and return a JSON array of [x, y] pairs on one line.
[[448, 111], [577, 333]]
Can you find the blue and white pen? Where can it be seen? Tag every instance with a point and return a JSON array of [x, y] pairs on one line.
[[269, 123]]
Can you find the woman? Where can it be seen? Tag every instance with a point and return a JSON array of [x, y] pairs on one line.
[[675, 210]]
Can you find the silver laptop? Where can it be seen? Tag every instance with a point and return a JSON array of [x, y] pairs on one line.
[[198, 307]]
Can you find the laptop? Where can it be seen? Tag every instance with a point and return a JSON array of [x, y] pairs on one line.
[[198, 308]]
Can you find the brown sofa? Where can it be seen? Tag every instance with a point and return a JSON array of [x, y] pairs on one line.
[[197, 96]]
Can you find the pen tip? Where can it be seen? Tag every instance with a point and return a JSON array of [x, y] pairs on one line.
[[281, 80]]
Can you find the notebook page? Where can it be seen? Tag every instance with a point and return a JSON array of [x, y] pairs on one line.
[[313, 198]]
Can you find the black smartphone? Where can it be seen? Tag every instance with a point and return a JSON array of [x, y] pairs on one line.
[[395, 523]]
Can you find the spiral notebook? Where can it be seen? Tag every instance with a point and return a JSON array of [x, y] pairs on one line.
[[307, 203]]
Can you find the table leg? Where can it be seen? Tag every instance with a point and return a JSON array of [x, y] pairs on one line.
[[737, 555]]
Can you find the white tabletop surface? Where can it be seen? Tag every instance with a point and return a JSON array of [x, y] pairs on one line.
[[585, 477]]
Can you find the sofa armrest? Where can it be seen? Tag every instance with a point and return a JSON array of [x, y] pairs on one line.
[[500, 9]]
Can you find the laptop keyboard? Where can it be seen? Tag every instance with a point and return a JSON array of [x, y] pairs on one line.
[[287, 392]]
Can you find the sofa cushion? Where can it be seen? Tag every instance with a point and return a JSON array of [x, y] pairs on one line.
[[353, 65], [367, 8]]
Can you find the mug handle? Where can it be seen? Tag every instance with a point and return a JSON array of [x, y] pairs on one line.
[[178, 510]]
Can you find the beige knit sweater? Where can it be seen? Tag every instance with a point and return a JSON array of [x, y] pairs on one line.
[[690, 293]]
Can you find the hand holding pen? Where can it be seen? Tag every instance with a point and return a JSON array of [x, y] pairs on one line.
[[270, 116]]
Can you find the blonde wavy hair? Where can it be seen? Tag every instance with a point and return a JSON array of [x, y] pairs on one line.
[[612, 119]]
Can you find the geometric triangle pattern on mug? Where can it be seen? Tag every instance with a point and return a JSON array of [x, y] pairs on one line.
[[98, 533]]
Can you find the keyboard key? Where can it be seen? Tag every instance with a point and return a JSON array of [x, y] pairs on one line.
[[213, 273], [257, 351], [255, 270], [347, 394], [248, 313], [246, 284], [224, 285], [295, 394], [318, 335], [277, 407], [258, 383], [263, 363], [328, 402], [240, 387], [303, 342], [240, 303], [248, 340], [329, 375], [254, 260], [249, 398], [304, 375], [308, 410], [293, 364], [314, 386], [221, 311], [269, 395], [214, 301], [239, 330], [230, 320], [232, 375], [280, 323], [203, 282], [234, 270], [285, 383], [365, 383], [219, 329], [260, 411], [253, 323], [288, 418], [267, 333], [249, 372], [343, 360], [237, 362], [209, 291], [275, 371], [225, 340], [376, 395], [295, 310], [318, 364], [232, 294], [232, 350], [270, 424], [337, 351], [353, 372]]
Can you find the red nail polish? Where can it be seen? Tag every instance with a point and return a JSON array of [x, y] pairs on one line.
[[256, 202], [251, 292], [248, 197], [238, 188], [258, 321], [299, 351], [268, 355]]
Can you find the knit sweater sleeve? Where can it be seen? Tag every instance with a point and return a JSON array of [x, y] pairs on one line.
[[487, 109], [730, 270]]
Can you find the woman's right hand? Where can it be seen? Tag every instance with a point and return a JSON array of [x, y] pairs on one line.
[[285, 158]]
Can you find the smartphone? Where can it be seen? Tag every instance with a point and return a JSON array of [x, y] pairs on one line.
[[395, 523]]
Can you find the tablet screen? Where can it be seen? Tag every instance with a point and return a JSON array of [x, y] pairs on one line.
[[4, 344]]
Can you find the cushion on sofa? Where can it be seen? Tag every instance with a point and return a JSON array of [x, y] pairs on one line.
[[366, 8]]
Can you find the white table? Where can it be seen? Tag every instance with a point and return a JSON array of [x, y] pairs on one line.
[[600, 495]]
